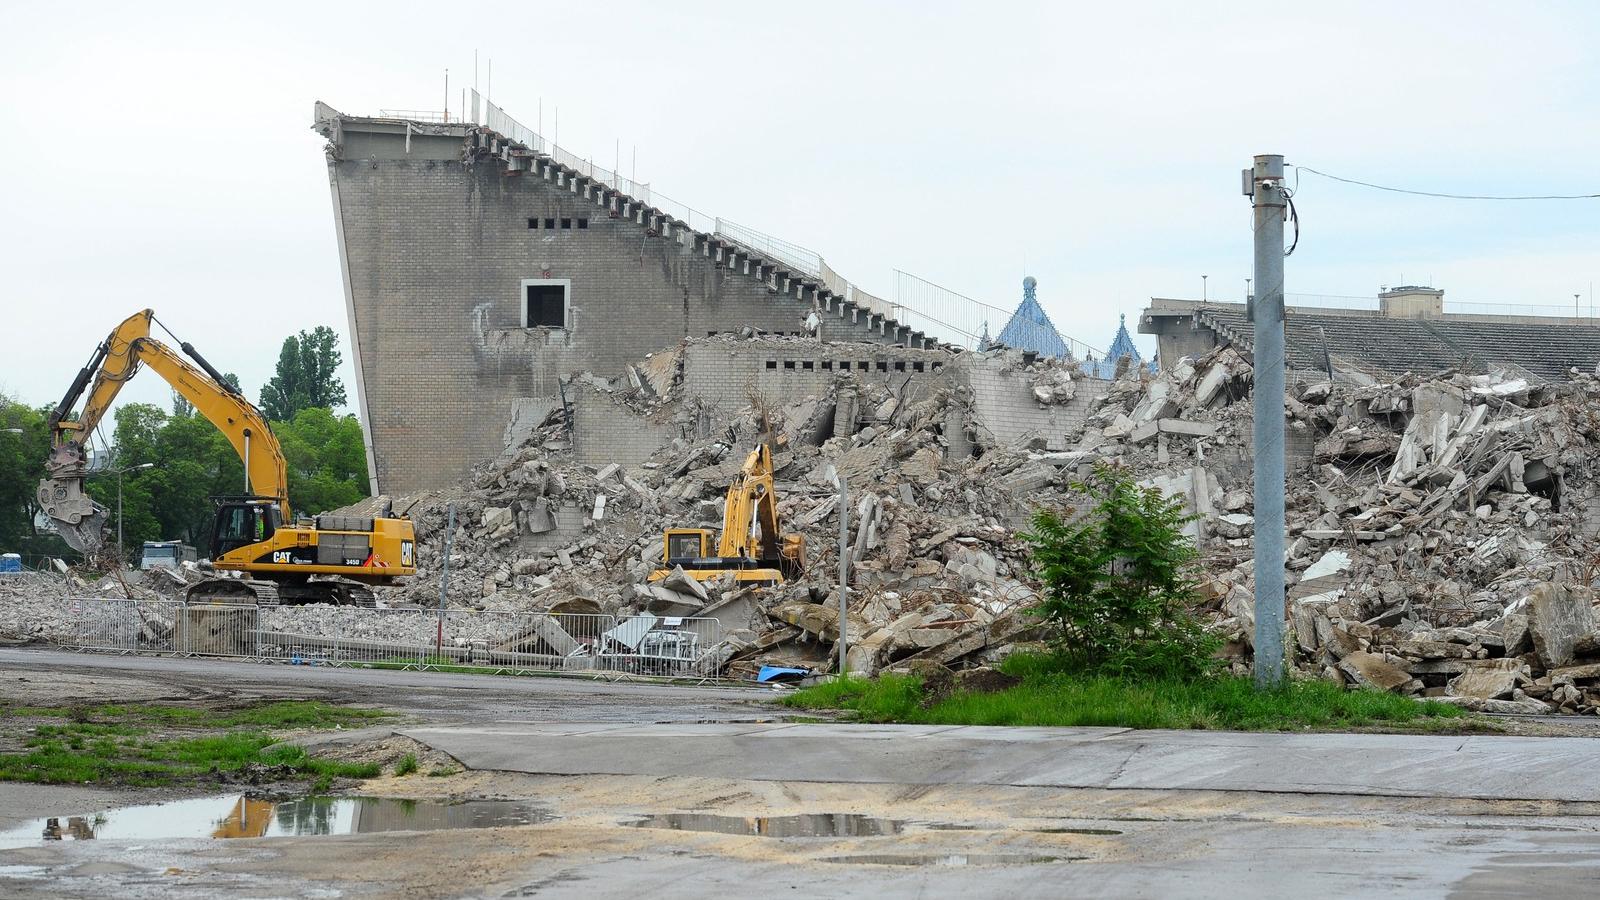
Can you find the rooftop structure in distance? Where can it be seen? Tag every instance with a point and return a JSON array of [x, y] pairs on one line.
[[1122, 347], [1412, 330], [1030, 327]]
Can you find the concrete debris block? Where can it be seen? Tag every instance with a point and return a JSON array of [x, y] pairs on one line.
[[1234, 525], [923, 466], [1374, 671], [1561, 619], [1496, 683], [1053, 385], [496, 517], [683, 583], [1524, 707], [607, 471]]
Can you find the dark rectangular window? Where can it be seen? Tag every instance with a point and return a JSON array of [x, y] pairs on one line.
[[547, 306], [827, 365], [533, 223], [549, 223], [788, 364], [583, 223], [808, 365], [916, 366], [899, 365], [883, 366], [844, 365], [772, 364], [566, 223]]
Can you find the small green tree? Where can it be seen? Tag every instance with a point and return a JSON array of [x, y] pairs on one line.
[[307, 375], [1119, 581]]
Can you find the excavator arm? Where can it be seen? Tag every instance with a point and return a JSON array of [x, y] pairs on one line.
[[114, 362]]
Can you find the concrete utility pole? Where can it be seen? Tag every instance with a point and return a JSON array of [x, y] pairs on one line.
[[1264, 184]]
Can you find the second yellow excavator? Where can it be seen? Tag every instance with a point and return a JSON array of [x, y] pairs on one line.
[[752, 548], [325, 559]]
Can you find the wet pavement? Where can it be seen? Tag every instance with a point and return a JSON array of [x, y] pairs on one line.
[[232, 816], [601, 805]]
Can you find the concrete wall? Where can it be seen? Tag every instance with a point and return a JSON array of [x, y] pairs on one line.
[[604, 430], [1004, 403], [435, 251], [723, 373]]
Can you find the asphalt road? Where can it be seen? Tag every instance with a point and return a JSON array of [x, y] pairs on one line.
[[1029, 812]]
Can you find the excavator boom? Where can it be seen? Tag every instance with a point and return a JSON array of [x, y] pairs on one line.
[[331, 558], [114, 362]]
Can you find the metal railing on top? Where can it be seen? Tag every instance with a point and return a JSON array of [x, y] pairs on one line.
[[416, 115]]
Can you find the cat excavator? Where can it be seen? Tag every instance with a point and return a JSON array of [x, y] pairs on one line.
[[752, 547], [281, 558]]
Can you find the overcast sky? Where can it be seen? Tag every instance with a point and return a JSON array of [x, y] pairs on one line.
[[159, 154]]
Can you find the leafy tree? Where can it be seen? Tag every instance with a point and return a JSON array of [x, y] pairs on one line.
[[306, 375], [22, 456], [1119, 580], [326, 458]]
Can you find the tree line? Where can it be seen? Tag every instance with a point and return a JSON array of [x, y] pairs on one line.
[[191, 461]]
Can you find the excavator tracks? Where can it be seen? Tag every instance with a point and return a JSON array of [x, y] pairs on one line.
[[235, 590]]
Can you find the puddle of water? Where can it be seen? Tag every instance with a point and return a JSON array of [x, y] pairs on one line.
[[951, 859], [809, 825], [237, 816]]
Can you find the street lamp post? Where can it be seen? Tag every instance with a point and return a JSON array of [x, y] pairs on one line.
[[121, 550]]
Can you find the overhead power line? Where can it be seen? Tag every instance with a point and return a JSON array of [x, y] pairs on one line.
[[1396, 190]]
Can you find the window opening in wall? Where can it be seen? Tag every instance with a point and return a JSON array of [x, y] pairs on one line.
[[788, 364], [545, 302], [549, 223], [566, 223], [808, 365], [883, 366], [772, 364], [533, 223], [937, 366], [916, 366], [844, 365], [899, 365], [827, 365], [583, 223], [864, 366]]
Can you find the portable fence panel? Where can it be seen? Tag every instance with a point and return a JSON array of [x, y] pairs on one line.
[[667, 646], [319, 634], [534, 641], [103, 624]]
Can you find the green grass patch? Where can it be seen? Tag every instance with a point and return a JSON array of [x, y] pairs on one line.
[[406, 766], [1047, 697], [115, 743]]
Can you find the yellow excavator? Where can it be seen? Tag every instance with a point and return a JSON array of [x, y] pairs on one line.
[[326, 559], [752, 548]]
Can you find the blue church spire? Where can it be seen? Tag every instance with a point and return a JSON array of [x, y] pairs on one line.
[[1030, 328]]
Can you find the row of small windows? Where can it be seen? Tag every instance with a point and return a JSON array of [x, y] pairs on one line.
[[845, 365], [550, 223]]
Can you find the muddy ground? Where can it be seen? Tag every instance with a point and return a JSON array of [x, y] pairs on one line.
[[974, 839]]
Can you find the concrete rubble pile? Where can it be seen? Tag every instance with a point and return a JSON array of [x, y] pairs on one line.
[[1441, 536], [936, 570]]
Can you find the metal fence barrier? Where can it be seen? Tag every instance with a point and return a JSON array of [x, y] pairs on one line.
[[602, 646]]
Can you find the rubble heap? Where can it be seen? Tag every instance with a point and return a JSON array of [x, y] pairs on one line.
[[933, 552], [1441, 542]]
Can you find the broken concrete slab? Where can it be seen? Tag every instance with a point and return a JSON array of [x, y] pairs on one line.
[[1561, 618], [1374, 671]]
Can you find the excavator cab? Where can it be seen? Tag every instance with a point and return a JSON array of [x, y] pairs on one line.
[[685, 546], [241, 523]]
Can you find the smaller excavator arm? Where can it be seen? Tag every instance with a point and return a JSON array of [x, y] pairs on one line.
[[114, 362]]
